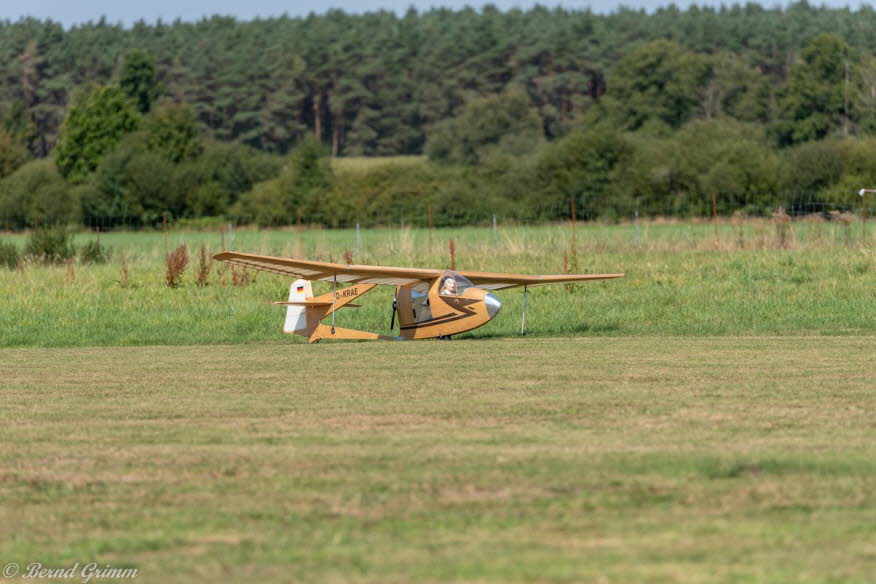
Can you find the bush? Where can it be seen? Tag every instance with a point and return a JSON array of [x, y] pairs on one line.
[[51, 246], [585, 166], [8, 254], [36, 190], [94, 253], [236, 167], [300, 186], [266, 204], [132, 181]]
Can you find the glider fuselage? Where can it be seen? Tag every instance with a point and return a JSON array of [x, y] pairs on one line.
[[441, 312]]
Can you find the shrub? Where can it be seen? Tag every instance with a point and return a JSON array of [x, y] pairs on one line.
[[36, 190], [266, 204], [301, 185], [236, 167], [94, 253], [8, 254], [133, 181], [50, 245]]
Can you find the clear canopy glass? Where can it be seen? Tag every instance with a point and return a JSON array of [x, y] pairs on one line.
[[452, 284]]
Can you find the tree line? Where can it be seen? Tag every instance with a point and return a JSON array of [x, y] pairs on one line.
[[516, 111]]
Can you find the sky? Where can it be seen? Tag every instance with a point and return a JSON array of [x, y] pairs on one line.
[[69, 13]]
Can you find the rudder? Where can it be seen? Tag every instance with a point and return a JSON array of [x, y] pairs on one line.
[[298, 317]]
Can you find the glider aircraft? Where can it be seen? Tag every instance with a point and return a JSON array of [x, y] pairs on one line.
[[429, 303]]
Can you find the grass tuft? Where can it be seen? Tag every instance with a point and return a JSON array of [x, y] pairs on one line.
[[50, 245], [9, 256]]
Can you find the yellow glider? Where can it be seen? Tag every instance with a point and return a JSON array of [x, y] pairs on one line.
[[429, 303]]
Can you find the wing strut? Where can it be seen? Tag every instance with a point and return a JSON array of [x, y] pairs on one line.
[[523, 319], [334, 297]]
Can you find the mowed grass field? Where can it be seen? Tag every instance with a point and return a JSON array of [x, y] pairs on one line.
[[707, 418], [670, 459]]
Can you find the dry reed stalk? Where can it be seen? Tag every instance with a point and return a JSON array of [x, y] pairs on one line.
[[176, 261], [205, 264], [70, 275], [573, 261], [573, 257], [452, 247], [845, 220], [124, 280], [220, 273], [240, 276], [348, 257], [782, 222], [739, 228], [816, 228], [566, 267]]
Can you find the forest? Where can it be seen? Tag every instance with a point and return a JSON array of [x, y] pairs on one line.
[[469, 113]]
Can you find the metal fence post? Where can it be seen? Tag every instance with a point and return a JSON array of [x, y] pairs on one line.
[[637, 226], [495, 232]]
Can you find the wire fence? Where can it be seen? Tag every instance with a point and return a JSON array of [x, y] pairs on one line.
[[709, 207]]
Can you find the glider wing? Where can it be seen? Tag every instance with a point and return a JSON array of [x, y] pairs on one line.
[[325, 271], [490, 281], [359, 274]]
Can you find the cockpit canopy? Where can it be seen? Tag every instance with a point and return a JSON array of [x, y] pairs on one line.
[[452, 284]]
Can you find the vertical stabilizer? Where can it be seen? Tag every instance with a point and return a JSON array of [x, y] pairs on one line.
[[297, 316]]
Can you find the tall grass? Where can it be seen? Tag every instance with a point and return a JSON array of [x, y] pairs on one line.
[[680, 281]]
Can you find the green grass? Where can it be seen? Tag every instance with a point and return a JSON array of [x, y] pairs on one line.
[[647, 459], [708, 418], [680, 281]]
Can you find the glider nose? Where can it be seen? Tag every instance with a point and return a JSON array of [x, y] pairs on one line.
[[493, 305]]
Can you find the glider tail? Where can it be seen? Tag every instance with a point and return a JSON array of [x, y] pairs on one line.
[[304, 312], [298, 316]]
